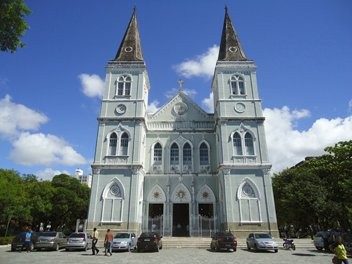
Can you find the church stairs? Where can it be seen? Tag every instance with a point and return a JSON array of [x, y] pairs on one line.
[[201, 242]]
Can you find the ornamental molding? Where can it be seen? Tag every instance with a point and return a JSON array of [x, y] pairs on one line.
[[205, 195], [181, 194], [156, 195]]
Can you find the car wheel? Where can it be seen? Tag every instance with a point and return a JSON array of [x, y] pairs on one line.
[[276, 250], [57, 247], [255, 247], [234, 249], [248, 247], [161, 246], [66, 249], [319, 248], [293, 247]]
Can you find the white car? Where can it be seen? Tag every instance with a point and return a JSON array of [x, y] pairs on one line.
[[79, 240], [261, 241], [124, 241]]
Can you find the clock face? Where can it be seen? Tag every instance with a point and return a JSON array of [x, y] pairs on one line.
[[240, 107], [120, 109]]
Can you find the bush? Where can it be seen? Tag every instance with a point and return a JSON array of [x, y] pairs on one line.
[[6, 240]]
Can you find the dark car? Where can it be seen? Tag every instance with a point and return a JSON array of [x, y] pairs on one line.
[[51, 240], [149, 241], [223, 241], [18, 241]]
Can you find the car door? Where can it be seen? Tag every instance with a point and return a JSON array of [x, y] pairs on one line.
[[251, 240]]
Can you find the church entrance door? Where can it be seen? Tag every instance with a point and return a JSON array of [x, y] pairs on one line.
[[180, 220], [155, 219]]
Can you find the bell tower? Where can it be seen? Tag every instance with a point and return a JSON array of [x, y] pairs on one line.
[[118, 167], [245, 191]]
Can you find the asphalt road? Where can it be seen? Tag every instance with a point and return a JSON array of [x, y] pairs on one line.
[[167, 256]]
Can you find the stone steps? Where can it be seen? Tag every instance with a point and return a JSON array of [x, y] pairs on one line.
[[196, 242]]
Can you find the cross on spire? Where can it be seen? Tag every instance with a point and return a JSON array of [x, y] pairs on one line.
[[180, 84]]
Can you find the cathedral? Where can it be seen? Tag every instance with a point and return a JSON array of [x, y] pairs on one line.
[[181, 171]]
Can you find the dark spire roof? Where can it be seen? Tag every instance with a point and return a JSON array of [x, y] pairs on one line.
[[230, 47], [130, 47]]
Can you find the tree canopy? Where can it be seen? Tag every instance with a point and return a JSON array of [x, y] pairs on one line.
[[27, 201], [12, 24], [317, 191]]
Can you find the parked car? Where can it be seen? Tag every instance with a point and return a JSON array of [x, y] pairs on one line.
[[149, 241], [51, 240], [79, 240], [18, 241], [261, 241], [223, 240], [320, 240], [124, 241]]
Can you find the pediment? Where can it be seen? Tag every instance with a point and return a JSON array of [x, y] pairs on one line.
[[180, 108]]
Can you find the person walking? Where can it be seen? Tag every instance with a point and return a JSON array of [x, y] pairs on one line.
[[108, 242], [340, 252], [95, 250]]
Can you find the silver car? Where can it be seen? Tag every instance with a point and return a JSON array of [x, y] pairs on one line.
[[51, 240], [80, 240], [124, 241], [261, 241]]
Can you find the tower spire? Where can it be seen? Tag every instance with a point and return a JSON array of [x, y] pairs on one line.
[[130, 48], [230, 47]]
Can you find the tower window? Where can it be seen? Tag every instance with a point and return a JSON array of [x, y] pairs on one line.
[[124, 144], [112, 144], [123, 86], [174, 154], [187, 154], [158, 153], [237, 85], [248, 143], [203, 154], [237, 144]]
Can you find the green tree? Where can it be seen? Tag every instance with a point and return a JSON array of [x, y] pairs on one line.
[[12, 24], [70, 201], [318, 190]]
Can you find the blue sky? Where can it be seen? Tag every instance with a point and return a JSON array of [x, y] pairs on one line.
[[49, 90]]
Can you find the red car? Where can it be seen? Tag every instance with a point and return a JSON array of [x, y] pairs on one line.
[[149, 241], [223, 241]]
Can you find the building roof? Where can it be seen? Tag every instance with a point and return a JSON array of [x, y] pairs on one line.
[[130, 47], [230, 47]]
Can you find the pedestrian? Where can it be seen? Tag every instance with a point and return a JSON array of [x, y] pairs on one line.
[[28, 240], [95, 250], [340, 252], [108, 242]]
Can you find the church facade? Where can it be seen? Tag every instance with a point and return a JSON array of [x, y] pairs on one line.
[[181, 171]]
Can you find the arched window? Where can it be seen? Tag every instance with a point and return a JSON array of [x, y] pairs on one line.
[[248, 143], [174, 154], [158, 151], [124, 144], [187, 154], [124, 85], [237, 85], [203, 154], [112, 144], [237, 144]]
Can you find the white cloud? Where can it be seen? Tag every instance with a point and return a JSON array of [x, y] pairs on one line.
[[48, 174], [202, 65], [15, 118], [287, 146], [92, 85], [153, 106], [40, 149], [208, 103]]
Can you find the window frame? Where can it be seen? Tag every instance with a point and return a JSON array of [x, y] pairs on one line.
[[237, 85], [123, 86]]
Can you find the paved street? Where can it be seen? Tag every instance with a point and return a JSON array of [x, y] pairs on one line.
[[168, 256]]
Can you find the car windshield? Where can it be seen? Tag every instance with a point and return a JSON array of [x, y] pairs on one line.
[[122, 235], [47, 234], [262, 236], [149, 235], [77, 235]]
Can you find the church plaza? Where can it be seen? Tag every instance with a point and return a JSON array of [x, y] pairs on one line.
[[166, 256]]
